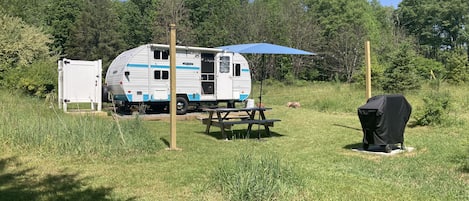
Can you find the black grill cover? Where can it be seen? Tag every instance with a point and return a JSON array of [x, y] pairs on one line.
[[383, 119]]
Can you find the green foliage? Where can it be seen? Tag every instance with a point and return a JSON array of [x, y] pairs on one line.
[[31, 12], [38, 79], [95, 34], [435, 110], [402, 75], [137, 18], [248, 178], [428, 68], [457, 67], [60, 17], [20, 43], [377, 75], [25, 63], [437, 24]]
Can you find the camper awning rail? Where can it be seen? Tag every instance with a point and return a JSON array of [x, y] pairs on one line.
[[202, 49]]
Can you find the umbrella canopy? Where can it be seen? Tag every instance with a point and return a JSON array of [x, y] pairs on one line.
[[263, 48]]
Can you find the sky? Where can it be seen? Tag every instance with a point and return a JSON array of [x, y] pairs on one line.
[[393, 3]]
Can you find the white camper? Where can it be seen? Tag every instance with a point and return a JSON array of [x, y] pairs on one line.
[[140, 76]]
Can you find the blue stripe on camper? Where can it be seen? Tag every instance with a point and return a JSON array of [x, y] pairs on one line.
[[138, 65], [243, 96], [146, 97], [163, 67], [194, 97], [129, 97], [246, 70]]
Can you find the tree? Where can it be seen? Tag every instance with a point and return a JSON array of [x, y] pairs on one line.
[[95, 34], [138, 18], [457, 67], [25, 62], [20, 44], [402, 74], [173, 12], [60, 18], [31, 12], [345, 26], [438, 25]]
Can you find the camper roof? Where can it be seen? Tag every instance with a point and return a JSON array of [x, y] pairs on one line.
[[203, 49]]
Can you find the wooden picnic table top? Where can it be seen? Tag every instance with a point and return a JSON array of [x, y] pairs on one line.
[[236, 109]]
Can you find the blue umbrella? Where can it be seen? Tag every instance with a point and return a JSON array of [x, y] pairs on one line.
[[263, 48]]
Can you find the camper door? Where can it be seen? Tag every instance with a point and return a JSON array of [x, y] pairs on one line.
[[224, 77]]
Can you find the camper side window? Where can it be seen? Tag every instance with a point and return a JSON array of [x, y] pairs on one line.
[[157, 54], [159, 75], [165, 75], [237, 70], [164, 55], [224, 64]]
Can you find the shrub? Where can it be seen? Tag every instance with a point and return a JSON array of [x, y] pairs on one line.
[[249, 179], [435, 110], [402, 74], [38, 79]]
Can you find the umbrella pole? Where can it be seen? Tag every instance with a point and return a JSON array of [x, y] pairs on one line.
[[262, 79], [260, 94]]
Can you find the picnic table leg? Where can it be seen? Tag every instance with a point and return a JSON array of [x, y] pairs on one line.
[[267, 130], [222, 127], [252, 116], [207, 130]]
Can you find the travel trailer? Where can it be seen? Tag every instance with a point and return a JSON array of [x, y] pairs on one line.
[[140, 77]]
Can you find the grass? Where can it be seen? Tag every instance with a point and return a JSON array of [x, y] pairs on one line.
[[48, 155]]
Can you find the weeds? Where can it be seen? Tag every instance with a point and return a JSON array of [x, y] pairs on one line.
[[252, 179], [31, 126]]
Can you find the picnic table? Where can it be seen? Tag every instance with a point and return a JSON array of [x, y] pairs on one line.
[[224, 120]]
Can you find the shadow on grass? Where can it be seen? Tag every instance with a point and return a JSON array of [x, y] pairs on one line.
[[353, 146], [349, 127], [242, 134], [165, 141], [18, 183]]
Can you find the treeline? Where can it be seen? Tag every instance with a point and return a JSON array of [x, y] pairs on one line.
[[424, 39]]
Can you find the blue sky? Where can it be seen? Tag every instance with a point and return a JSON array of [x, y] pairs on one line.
[[393, 3]]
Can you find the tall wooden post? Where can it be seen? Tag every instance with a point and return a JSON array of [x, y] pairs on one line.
[[368, 70], [172, 64]]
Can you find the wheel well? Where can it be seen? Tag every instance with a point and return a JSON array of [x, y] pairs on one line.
[[183, 96]]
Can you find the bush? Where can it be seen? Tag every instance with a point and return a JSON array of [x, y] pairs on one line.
[[249, 179], [435, 110], [402, 75], [38, 79]]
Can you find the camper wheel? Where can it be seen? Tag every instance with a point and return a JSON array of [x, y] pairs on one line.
[[181, 105]]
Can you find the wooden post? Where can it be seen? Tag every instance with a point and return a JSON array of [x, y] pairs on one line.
[[172, 64], [368, 70]]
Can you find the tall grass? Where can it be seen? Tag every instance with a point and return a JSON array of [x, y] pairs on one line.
[[248, 178], [35, 124]]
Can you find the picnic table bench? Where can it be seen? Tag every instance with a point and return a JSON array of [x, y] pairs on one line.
[[224, 120]]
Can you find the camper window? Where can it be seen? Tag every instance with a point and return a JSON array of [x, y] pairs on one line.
[[237, 70], [157, 74], [165, 75], [165, 55], [224, 64], [157, 54]]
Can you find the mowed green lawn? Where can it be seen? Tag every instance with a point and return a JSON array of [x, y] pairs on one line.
[[48, 155]]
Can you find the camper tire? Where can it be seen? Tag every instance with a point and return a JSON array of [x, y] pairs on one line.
[[181, 105]]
